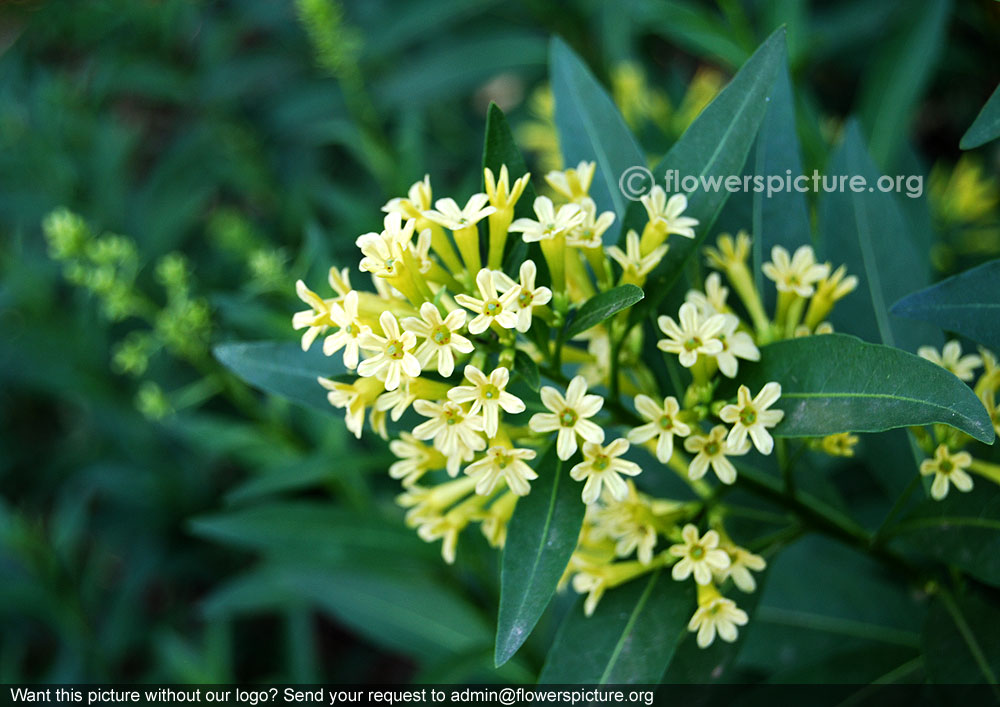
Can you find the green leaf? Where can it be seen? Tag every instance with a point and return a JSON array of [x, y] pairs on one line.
[[631, 638], [986, 126], [282, 369], [603, 306], [591, 128], [838, 383], [525, 366], [715, 145], [967, 304], [541, 537], [895, 82], [960, 640], [689, 25], [962, 530], [867, 232]]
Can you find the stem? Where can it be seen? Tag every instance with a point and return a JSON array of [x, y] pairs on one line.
[[897, 508]]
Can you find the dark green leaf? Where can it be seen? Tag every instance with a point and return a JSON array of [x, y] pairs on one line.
[[525, 366], [591, 128], [631, 637], [283, 369], [541, 537], [715, 145], [602, 306], [960, 640], [693, 27], [986, 126], [866, 231], [895, 82], [838, 383], [962, 530], [967, 304]]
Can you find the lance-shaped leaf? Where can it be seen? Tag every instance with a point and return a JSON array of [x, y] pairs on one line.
[[282, 369], [714, 146], [591, 128], [986, 127], [631, 637], [541, 537], [960, 640], [967, 304], [602, 306], [838, 383]]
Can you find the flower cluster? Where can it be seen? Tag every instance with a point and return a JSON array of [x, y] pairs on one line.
[[949, 465], [443, 355]]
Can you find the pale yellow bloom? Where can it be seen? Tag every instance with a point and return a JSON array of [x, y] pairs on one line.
[[590, 232], [447, 212], [315, 320], [383, 252], [798, 273], [713, 450], [354, 398], [393, 356], [716, 615], [602, 468], [947, 469], [729, 252], [735, 345], [549, 223], [503, 463], [574, 184], [741, 561], [498, 190], [488, 395], [951, 359], [491, 307], [667, 214], [418, 201], [699, 556], [693, 336], [350, 330], [752, 417], [455, 432], [631, 259], [441, 339], [414, 459], [839, 445], [569, 416], [713, 299], [529, 296], [663, 424]]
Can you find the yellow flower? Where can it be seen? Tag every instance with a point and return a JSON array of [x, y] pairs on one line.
[[729, 252], [716, 615], [487, 394], [693, 336], [506, 463], [350, 331], [494, 523], [713, 299], [797, 274], [601, 468], [529, 296], [574, 184], [667, 214], [354, 398], [419, 200], [590, 232], [947, 469], [735, 345], [631, 523], [383, 252], [455, 432], [663, 424], [752, 417], [839, 445], [699, 556], [447, 212], [499, 192], [631, 260], [393, 357], [713, 450], [414, 459], [951, 359], [490, 307], [315, 320], [741, 561], [441, 337], [550, 223], [569, 416]]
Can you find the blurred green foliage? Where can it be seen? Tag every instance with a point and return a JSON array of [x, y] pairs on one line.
[[158, 519]]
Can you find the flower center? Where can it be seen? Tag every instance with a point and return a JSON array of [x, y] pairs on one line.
[[502, 460], [524, 299], [692, 344], [491, 392], [697, 552], [748, 416], [712, 448], [666, 423], [601, 462], [492, 308], [568, 417], [946, 467], [394, 350], [451, 417], [441, 335], [351, 330]]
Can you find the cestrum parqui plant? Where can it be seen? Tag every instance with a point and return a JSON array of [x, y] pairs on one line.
[[470, 306]]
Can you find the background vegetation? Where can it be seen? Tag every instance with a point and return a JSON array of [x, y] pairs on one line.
[[159, 520]]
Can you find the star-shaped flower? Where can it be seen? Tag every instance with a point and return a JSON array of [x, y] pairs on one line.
[[693, 336], [491, 307], [602, 467], [752, 417], [569, 416], [441, 339], [393, 356], [698, 555], [663, 424]]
